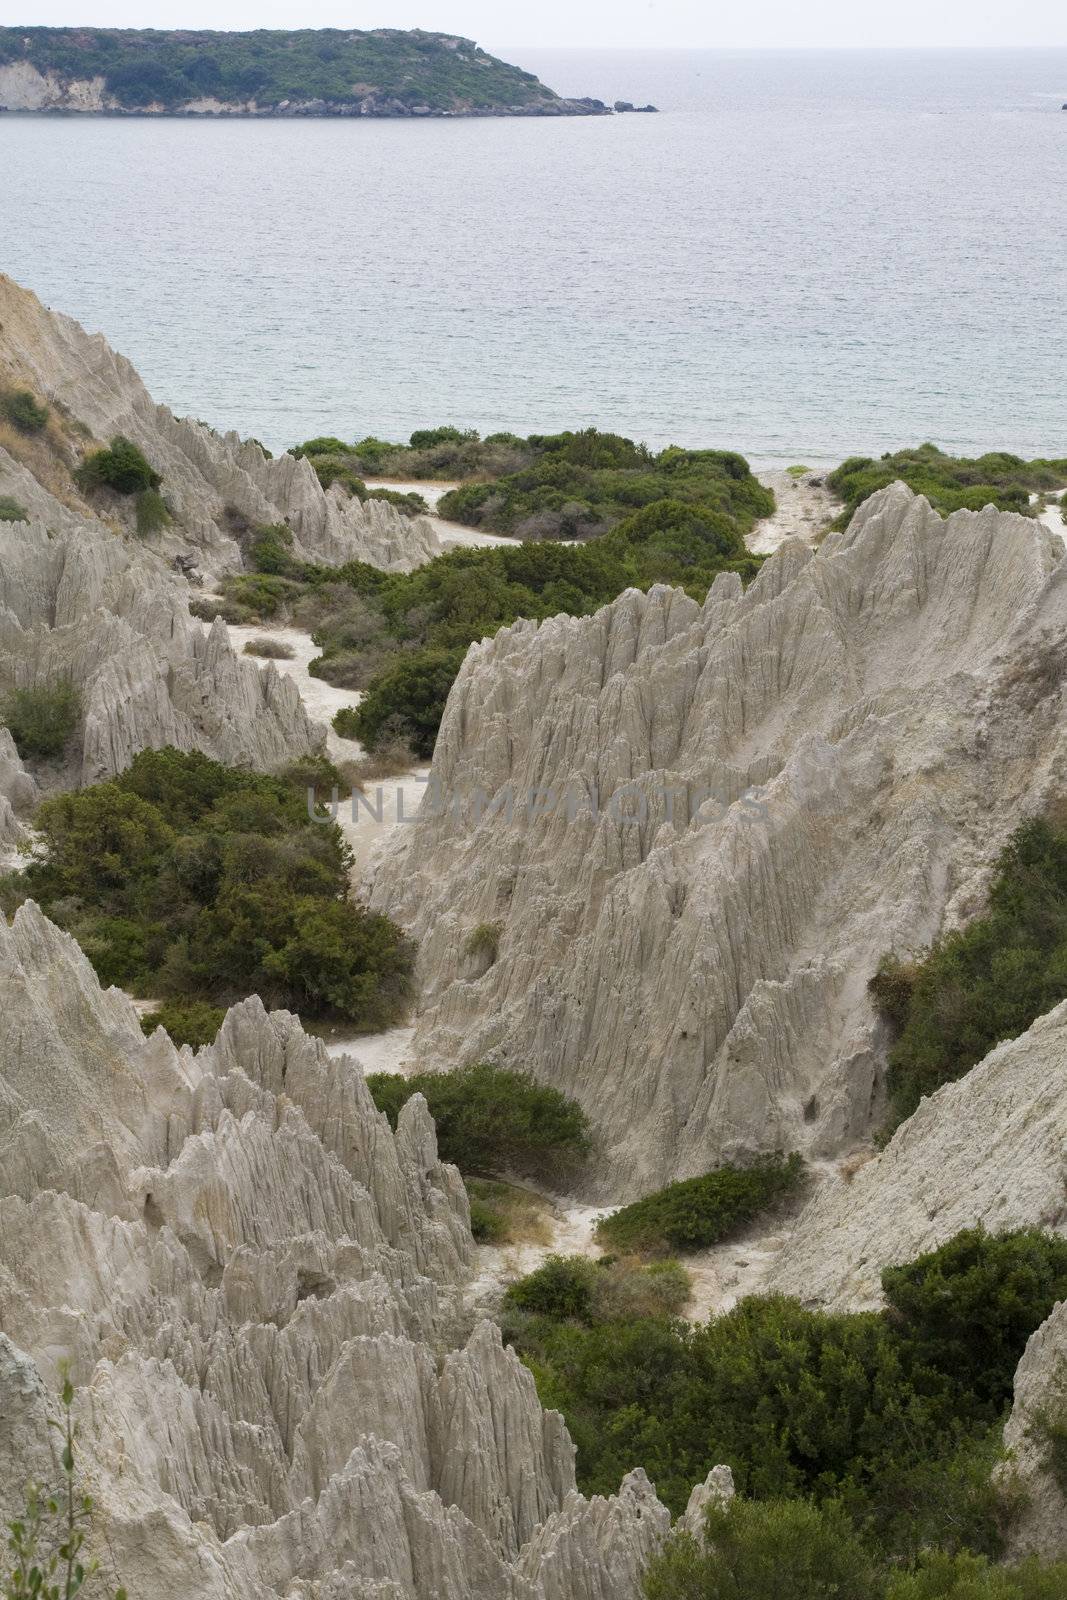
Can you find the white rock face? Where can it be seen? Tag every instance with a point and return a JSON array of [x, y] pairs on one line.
[[989, 1149], [1040, 1398], [210, 481], [848, 746], [82, 605], [258, 1287]]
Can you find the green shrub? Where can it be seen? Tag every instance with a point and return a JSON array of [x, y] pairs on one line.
[[188, 1022], [490, 1120], [986, 982], [345, 723], [940, 1576], [410, 694], [561, 1288], [968, 1308], [201, 882], [701, 1211], [11, 510], [1050, 1429], [152, 512], [22, 411], [774, 1550], [121, 467], [42, 720]]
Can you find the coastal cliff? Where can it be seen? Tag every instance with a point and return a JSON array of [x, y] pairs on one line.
[[309, 72]]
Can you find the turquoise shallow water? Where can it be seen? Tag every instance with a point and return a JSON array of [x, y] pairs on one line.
[[804, 255]]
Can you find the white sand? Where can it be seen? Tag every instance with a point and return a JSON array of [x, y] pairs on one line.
[[448, 532], [805, 508]]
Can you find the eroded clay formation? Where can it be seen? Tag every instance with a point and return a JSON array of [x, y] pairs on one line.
[[805, 775]]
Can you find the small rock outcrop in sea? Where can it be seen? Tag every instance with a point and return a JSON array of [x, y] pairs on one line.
[[258, 1286], [213, 484], [987, 1150], [722, 817]]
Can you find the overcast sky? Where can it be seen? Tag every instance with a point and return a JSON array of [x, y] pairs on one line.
[[619, 23]]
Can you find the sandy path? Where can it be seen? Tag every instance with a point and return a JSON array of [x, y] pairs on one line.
[[805, 508], [449, 533], [1054, 515]]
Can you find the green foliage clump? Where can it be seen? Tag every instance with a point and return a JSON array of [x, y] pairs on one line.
[[11, 510], [987, 982], [561, 1288], [269, 649], [483, 942], [698, 1212], [193, 1022], [158, 67], [765, 1550], [491, 1120], [1050, 1429], [967, 1309], [345, 722], [47, 1539], [121, 467], [195, 881], [23, 411], [42, 720], [152, 512], [950, 483]]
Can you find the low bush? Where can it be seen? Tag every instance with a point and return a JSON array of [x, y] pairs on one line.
[[121, 467], [11, 510], [23, 411], [42, 720], [410, 694], [195, 881], [504, 1213], [269, 649], [987, 982], [491, 1120], [698, 1212], [601, 1290], [152, 512], [768, 1550], [188, 1022], [483, 942], [346, 722]]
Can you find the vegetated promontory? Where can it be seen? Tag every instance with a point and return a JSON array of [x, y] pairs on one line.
[[320, 72]]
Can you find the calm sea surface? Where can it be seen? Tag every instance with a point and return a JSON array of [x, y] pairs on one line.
[[805, 255]]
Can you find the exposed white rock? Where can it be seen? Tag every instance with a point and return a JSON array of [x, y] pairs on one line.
[[1040, 1401], [989, 1149], [82, 605], [211, 482], [17, 793], [717, 1489], [257, 1285], [848, 745]]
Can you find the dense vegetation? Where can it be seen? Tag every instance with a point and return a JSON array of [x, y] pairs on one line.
[[11, 510], [579, 485], [193, 1022], [871, 1413], [401, 637], [986, 982], [190, 880], [701, 1211], [793, 1550], [142, 67], [950, 483], [41, 720], [491, 1120]]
